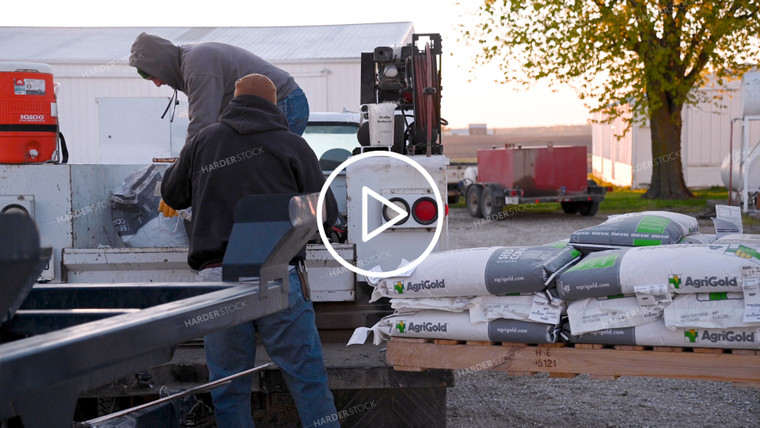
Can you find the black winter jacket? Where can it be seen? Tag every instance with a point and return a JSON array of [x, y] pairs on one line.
[[250, 151]]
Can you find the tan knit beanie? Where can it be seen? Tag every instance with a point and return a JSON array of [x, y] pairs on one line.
[[256, 84]]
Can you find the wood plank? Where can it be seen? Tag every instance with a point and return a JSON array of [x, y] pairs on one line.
[[408, 369], [411, 340], [604, 362], [589, 346], [446, 342], [668, 349], [709, 350], [562, 375], [744, 352], [517, 374], [479, 343], [513, 344], [552, 345], [603, 377], [630, 347]]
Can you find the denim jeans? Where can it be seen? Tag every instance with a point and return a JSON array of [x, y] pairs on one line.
[[291, 340], [296, 109]]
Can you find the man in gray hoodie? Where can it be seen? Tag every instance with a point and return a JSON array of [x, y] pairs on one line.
[[206, 72]]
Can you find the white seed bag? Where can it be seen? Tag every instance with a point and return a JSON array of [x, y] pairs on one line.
[[689, 268], [636, 229], [707, 310], [594, 314], [656, 334], [478, 272], [433, 324]]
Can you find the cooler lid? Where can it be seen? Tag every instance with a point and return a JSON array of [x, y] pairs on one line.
[[32, 67]]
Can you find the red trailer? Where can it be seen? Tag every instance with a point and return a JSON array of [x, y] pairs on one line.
[[519, 175]]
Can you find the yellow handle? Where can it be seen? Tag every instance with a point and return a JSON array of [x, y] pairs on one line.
[[166, 210]]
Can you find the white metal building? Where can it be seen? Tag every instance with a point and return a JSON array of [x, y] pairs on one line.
[[705, 142], [91, 65]]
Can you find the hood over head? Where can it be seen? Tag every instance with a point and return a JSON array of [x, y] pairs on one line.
[[158, 57]]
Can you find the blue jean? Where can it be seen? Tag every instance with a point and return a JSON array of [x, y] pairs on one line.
[[296, 109], [291, 340]]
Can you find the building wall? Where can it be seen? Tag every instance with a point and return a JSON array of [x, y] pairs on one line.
[[329, 86], [705, 139], [610, 155]]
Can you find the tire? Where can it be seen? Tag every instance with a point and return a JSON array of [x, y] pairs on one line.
[[589, 208], [474, 192], [570, 207], [491, 202]]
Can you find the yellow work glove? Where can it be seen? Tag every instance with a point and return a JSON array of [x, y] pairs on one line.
[[166, 210]]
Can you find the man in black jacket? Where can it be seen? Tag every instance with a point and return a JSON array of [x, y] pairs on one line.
[[251, 151]]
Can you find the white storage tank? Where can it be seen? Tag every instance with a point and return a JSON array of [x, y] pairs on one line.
[[738, 176], [750, 93]]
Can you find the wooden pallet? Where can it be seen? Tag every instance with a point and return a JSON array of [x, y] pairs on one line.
[[563, 360]]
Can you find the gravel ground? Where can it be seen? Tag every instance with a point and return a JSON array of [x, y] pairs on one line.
[[493, 399]]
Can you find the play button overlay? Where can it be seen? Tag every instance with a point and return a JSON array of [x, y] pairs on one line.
[[409, 218], [401, 214]]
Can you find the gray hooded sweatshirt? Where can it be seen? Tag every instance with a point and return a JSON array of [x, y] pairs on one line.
[[205, 72]]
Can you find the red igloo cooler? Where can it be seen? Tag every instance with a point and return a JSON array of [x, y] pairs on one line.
[[28, 113]]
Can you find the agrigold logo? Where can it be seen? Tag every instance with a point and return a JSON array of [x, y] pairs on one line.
[[693, 336], [401, 326], [398, 287], [425, 285], [675, 281]]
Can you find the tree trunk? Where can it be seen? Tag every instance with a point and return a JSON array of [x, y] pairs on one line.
[[667, 170]]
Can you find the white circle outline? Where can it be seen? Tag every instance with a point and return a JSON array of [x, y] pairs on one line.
[[408, 266]]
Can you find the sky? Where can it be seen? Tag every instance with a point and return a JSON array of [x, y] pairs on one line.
[[467, 96]]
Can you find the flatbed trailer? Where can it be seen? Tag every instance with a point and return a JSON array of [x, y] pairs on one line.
[[532, 175]]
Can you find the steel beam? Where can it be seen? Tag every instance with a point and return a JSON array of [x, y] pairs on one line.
[[55, 367]]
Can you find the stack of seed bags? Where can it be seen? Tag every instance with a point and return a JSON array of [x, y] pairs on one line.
[[489, 294], [687, 295]]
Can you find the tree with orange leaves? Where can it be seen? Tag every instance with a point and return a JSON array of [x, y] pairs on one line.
[[647, 56]]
